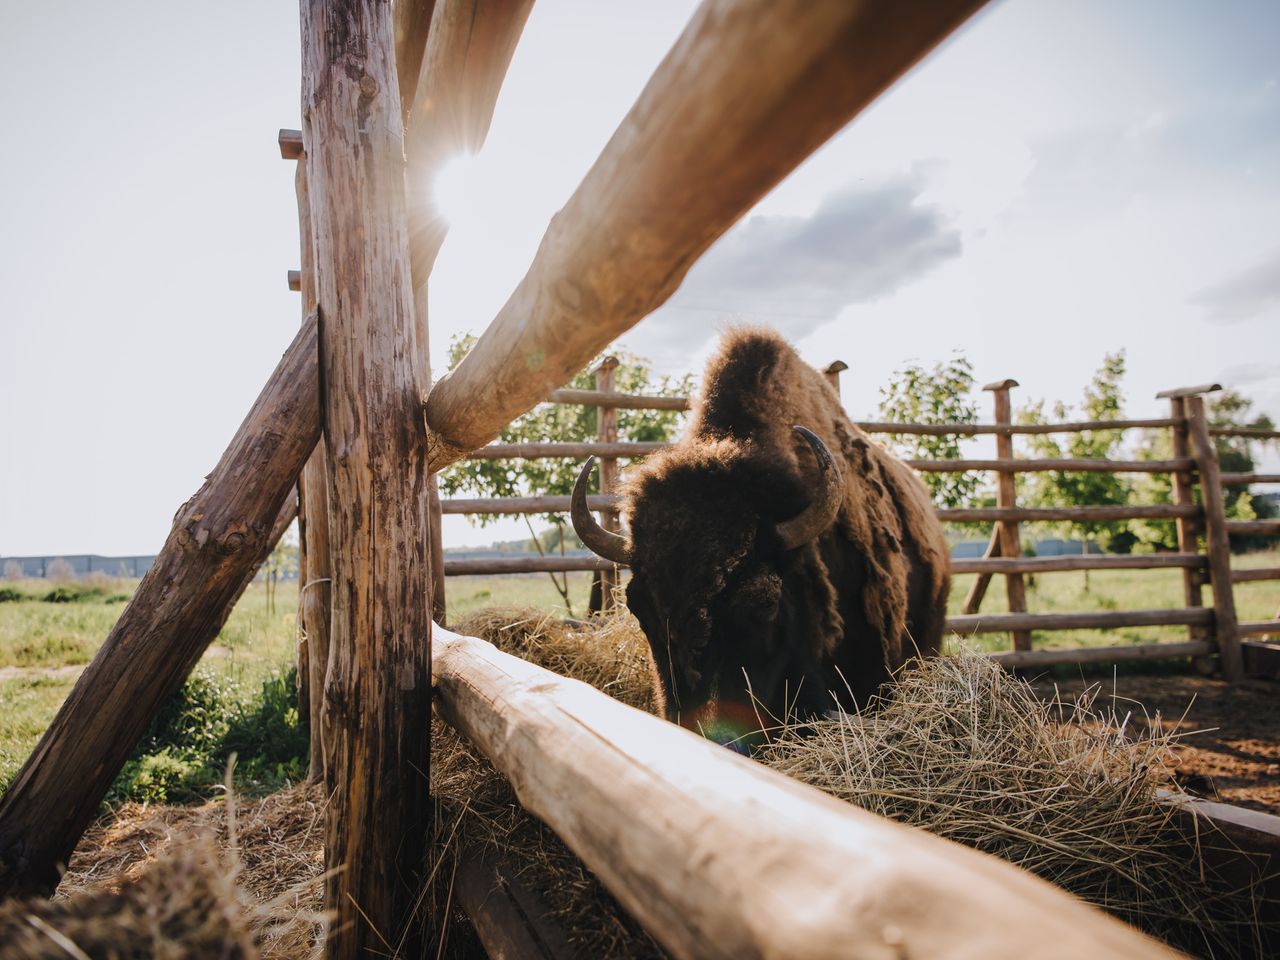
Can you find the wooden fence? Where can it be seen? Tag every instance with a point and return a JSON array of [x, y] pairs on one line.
[[715, 856], [1211, 629]]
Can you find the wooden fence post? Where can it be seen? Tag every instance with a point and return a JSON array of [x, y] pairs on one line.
[[378, 688], [607, 432], [314, 606], [1217, 544], [973, 600], [1006, 496], [1189, 528], [832, 373]]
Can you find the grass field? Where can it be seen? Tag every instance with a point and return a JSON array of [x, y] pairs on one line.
[[44, 645]]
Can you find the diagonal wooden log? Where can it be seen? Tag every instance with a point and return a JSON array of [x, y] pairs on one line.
[[751, 89], [219, 538], [378, 688]]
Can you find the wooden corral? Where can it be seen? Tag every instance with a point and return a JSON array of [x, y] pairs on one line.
[[749, 91], [1212, 630]]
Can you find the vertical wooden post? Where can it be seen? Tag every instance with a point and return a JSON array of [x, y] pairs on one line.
[[1217, 545], [1007, 530], [314, 597], [1189, 528], [378, 690], [832, 373], [607, 432]]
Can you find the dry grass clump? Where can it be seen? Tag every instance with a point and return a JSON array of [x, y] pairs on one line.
[[968, 752], [478, 810], [185, 905], [218, 880]]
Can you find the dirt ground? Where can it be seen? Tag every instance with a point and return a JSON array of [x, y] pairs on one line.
[[1228, 734]]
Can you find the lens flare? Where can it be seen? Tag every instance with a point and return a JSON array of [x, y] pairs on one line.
[[458, 190]]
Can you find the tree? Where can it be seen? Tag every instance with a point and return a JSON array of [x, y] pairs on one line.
[[1103, 400], [563, 423], [937, 395]]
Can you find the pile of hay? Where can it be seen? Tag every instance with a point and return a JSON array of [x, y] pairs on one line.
[[477, 809], [959, 748], [964, 750], [222, 880]]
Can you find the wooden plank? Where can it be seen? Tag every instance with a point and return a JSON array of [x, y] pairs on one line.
[[411, 23], [832, 373], [380, 531], [1258, 628], [976, 429], [1051, 464], [1184, 392], [709, 136], [486, 566], [1244, 479], [1031, 659], [606, 433], [219, 538], [1161, 511], [1257, 573], [1264, 528], [290, 144], [1262, 659], [626, 401], [528, 451], [720, 857], [294, 280], [514, 506], [314, 604], [508, 916], [1217, 542], [1093, 620], [1088, 561]]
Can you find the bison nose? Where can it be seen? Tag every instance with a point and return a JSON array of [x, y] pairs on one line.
[[736, 728]]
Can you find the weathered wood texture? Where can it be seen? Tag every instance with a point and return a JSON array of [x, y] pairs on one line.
[[712, 132], [1258, 628], [492, 565], [559, 449], [1257, 573], [1159, 511], [1189, 527], [978, 590], [606, 433], [1217, 544], [1198, 389], [1095, 620], [1087, 561], [979, 429], [378, 688], [1006, 499], [219, 538], [509, 917], [625, 401], [1144, 651], [721, 857], [1244, 479], [513, 506], [314, 608], [467, 55], [1266, 528]]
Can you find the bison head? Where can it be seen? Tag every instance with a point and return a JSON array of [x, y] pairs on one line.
[[719, 582]]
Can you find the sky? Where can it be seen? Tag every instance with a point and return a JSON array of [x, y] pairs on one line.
[[1062, 179]]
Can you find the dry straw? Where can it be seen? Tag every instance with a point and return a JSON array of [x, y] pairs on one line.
[[958, 747]]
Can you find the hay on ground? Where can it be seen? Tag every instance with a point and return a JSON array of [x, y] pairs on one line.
[[958, 747]]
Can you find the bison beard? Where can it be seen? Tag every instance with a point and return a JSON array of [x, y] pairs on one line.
[[754, 612]]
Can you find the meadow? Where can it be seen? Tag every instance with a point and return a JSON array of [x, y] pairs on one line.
[[242, 691]]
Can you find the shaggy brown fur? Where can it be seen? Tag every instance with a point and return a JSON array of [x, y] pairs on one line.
[[714, 590]]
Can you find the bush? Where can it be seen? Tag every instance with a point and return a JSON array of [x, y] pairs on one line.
[[75, 593], [183, 755], [10, 595]]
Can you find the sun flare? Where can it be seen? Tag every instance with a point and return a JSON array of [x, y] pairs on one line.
[[458, 189]]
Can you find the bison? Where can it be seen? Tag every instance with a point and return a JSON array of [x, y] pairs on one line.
[[782, 563]]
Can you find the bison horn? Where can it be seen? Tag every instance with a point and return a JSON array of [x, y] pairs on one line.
[[814, 520], [599, 541]]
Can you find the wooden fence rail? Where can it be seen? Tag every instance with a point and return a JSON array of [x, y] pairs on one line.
[[1205, 629]]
